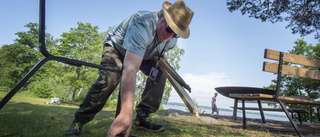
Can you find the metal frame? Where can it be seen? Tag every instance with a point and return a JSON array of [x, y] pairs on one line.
[[279, 75], [277, 95], [294, 125], [48, 56]]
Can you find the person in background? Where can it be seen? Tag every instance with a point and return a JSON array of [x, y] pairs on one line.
[[129, 47], [214, 105]]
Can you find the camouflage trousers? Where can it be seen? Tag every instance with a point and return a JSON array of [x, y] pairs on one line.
[[107, 82]]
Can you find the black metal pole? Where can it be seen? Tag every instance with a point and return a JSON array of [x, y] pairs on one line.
[[279, 75], [290, 119], [42, 27], [22, 82]]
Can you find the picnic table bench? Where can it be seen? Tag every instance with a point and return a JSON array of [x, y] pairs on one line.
[[250, 93], [292, 110]]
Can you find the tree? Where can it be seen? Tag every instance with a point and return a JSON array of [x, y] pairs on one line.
[[296, 86], [82, 43], [303, 15], [17, 59]]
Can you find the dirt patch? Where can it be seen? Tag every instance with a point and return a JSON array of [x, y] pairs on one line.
[[277, 128]]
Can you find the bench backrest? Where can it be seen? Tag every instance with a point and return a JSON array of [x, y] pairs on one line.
[[280, 68], [291, 70]]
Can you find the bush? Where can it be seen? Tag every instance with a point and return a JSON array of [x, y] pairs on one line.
[[111, 103], [42, 89]]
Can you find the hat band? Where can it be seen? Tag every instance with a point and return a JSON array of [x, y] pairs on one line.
[[181, 26]]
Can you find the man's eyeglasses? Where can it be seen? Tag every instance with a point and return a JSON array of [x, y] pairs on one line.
[[169, 30]]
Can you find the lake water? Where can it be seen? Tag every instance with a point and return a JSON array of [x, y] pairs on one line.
[[279, 116]]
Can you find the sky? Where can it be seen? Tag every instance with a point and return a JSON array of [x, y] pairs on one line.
[[224, 48]]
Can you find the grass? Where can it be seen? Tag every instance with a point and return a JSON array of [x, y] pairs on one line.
[[28, 116]]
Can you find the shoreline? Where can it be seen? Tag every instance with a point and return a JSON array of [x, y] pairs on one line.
[[228, 112]]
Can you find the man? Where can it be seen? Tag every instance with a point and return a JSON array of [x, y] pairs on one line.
[[130, 47], [213, 104]]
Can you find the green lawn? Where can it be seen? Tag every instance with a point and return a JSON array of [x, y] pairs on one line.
[[28, 116]]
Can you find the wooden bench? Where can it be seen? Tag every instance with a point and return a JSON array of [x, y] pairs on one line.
[[292, 110], [280, 68]]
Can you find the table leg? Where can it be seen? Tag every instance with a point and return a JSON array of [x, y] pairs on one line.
[[261, 112], [299, 117], [244, 114], [318, 113], [235, 107]]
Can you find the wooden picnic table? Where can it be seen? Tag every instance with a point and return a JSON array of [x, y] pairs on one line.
[[226, 91]]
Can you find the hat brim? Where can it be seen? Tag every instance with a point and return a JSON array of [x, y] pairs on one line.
[[182, 33]]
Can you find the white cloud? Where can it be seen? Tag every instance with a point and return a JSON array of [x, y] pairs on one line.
[[202, 87]]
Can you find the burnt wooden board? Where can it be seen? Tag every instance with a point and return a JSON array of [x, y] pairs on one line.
[[180, 90]]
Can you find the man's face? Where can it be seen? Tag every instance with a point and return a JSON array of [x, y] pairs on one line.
[[164, 32]]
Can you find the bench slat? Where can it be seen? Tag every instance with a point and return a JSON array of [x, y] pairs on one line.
[[292, 100], [290, 70], [254, 95], [286, 100], [300, 110], [292, 58]]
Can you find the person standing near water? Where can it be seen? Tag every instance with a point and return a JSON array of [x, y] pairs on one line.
[[213, 104]]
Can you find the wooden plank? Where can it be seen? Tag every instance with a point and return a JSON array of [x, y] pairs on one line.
[[287, 100], [173, 73], [292, 58], [290, 70], [301, 97], [182, 93], [251, 96], [300, 110], [292, 100]]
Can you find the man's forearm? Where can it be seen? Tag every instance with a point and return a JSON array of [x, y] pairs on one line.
[[128, 83], [131, 66]]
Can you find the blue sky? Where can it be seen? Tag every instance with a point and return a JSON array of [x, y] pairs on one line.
[[224, 48]]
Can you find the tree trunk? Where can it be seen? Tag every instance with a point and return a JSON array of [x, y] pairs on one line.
[[79, 92], [74, 95]]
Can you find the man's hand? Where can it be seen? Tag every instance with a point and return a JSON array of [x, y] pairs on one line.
[[123, 122], [164, 57]]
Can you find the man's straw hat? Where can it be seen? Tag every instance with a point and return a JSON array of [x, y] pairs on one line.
[[178, 17]]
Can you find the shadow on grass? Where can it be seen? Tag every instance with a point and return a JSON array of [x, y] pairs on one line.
[[29, 120], [24, 119]]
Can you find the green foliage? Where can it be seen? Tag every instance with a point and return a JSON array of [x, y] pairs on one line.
[[303, 16], [82, 43], [15, 61], [29, 38], [42, 89]]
